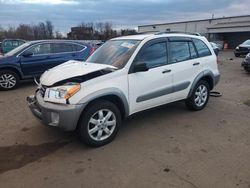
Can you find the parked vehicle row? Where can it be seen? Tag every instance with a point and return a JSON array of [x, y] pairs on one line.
[[216, 48], [246, 63], [242, 49], [124, 76], [33, 58]]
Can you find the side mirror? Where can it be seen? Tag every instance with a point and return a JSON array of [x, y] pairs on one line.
[[27, 54], [141, 67]]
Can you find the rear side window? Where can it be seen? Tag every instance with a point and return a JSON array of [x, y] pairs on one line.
[[154, 55], [193, 53], [62, 47], [78, 47], [179, 51], [202, 48]]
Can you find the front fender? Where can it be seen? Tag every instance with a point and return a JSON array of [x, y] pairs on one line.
[[106, 92]]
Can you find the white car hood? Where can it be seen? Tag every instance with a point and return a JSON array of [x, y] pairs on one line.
[[70, 69]]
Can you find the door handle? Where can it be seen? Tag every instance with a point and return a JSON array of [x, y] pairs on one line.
[[166, 71], [195, 64]]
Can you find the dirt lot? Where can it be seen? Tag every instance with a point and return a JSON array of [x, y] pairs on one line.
[[165, 147]]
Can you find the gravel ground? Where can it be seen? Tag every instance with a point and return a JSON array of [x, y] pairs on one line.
[[164, 147]]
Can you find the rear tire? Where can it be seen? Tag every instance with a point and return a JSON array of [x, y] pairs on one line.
[[8, 80], [99, 123], [199, 97]]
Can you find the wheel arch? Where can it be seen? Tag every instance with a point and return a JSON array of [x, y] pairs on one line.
[[113, 95], [206, 75], [14, 69]]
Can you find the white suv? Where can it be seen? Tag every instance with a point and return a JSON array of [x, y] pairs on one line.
[[124, 76]]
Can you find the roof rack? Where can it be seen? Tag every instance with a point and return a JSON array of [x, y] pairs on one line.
[[148, 32], [180, 32]]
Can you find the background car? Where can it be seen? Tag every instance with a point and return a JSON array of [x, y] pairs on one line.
[[0, 48], [215, 48], [33, 58], [246, 63], [10, 44], [242, 49]]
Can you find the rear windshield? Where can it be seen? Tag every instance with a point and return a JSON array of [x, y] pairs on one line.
[[114, 52]]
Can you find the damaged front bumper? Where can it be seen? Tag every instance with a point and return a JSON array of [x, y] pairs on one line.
[[56, 115]]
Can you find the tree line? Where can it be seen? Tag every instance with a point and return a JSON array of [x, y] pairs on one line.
[[46, 30]]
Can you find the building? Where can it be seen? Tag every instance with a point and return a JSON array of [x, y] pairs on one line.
[[80, 33], [231, 30]]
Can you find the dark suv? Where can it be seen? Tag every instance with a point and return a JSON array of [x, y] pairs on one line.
[[33, 58]]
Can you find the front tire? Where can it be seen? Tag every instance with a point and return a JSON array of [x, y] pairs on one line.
[[8, 80], [100, 123], [237, 55], [199, 97]]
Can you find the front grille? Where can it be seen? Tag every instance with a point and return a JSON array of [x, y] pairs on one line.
[[243, 48], [43, 90]]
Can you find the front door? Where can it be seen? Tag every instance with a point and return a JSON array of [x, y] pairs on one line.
[[153, 87], [39, 61]]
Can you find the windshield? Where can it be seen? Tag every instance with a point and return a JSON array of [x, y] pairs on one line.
[[114, 52], [17, 50], [247, 42]]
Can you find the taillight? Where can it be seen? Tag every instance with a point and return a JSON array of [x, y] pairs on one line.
[[92, 50], [217, 59]]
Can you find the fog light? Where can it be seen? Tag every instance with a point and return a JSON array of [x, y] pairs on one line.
[[54, 119]]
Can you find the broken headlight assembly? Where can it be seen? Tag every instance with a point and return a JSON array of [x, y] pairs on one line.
[[62, 93]]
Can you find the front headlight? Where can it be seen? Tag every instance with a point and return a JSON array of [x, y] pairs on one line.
[[62, 93], [237, 48]]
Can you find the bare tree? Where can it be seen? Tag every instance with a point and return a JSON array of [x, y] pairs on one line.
[[49, 29]]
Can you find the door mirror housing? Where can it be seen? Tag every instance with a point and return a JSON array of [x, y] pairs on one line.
[[27, 53], [141, 67]]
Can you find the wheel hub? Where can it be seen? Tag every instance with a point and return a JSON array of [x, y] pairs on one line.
[[201, 95], [102, 124], [7, 81]]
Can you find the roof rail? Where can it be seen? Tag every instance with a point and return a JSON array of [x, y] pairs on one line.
[[148, 32], [180, 32]]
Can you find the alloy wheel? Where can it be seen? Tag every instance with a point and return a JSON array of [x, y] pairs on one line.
[[101, 125], [7, 81], [201, 95]]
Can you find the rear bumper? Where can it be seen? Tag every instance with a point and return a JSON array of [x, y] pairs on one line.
[[63, 116], [216, 79]]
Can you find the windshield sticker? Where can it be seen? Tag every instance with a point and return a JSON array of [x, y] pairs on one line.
[[127, 45]]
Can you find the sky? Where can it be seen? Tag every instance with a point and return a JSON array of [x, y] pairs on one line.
[[123, 14]]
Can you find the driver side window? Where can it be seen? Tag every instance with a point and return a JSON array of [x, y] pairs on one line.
[[41, 49], [154, 55]]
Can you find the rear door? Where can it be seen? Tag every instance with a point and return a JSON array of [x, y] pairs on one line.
[[186, 65], [207, 60], [61, 52], [65, 51]]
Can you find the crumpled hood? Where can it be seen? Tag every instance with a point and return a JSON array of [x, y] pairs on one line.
[[70, 69]]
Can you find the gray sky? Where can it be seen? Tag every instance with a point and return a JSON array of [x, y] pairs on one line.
[[123, 14]]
